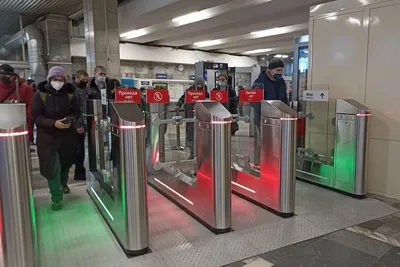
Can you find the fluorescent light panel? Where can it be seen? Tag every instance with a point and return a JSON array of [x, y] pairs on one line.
[[271, 32], [258, 51], [191, 17], [134, 34], [208, 43]]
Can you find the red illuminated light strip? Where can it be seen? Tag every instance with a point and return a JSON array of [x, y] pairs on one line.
[[173, 191], [245, 188], [13, 134], [288, 119], [127, 127], [364, 115], [221, 122]]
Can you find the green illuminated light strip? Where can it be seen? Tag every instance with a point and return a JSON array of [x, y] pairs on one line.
[[101, 202]]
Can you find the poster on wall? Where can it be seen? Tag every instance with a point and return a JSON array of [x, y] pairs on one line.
[[161, 86], [176, 90]]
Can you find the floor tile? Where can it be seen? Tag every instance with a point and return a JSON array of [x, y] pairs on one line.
[[259, 262], [323, 252], [391, 259], [360, 242]]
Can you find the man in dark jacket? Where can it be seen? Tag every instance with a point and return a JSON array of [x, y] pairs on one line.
[[199, 84], [273, 84], [55, 110], [101, 81], [81, 81]]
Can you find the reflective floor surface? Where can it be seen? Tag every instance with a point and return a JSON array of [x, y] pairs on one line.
[[78, 236]]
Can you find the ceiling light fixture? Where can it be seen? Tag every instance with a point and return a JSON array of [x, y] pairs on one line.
[[208, 43], [133, 34], [271, 32], [192, 17], [258, 51]]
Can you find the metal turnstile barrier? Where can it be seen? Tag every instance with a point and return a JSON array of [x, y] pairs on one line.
[[345, 169], [269, 181], [17, 211], [117, 179], [201, 186]]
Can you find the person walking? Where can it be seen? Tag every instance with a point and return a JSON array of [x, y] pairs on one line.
[[55, 109]]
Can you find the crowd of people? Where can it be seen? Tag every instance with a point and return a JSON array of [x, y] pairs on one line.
[[56, 106]]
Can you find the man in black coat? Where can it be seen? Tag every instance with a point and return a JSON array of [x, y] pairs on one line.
[[55, 110]]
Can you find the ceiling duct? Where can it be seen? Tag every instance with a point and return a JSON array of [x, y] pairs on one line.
[[33, 37]]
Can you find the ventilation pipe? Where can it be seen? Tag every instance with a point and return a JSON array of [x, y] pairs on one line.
[[33, 37]]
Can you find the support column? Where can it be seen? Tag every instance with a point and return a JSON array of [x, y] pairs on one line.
[[102, 35], [56, 33]]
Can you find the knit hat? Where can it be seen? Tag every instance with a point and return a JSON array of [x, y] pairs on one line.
[[56, 71], [200, 81], [6, 69], [276, 63]]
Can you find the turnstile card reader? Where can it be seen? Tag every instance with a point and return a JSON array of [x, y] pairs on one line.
[[345, 169], [270, 180], [201, 186], [117, 180]]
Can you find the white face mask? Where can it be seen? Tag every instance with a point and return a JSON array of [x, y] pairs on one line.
[[101, 79], [57, 85]]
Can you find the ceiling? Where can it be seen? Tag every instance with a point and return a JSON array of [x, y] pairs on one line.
[[251, 27], [246, 27]]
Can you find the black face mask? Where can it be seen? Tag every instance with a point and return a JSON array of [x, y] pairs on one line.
[[6, 80], [82, 84]]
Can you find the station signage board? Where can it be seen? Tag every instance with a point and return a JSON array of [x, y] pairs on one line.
[[220, 96], [316, 95], [251, 95], [161, 76], [154, 96], [191, 96], [128, 95]]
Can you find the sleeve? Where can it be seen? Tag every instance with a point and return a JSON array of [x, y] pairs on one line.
[[233, 101], [38, 116], [257, 81], [181, 100], [285, 95], [75, 108], [29, 99]]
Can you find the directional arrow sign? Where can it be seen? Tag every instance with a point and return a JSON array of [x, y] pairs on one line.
[[316, 95]]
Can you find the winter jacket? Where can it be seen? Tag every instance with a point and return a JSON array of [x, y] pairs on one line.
[[81, 96], [57, 105], [25, 96], [93, 91], [273, 90]]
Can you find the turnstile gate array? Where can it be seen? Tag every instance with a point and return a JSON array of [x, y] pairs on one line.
[[117, 178], [17, 211]]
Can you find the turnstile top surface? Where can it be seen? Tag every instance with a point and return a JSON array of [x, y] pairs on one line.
[[277, 109], [128, 112], [209, 111], [350, 106], [12, 116]]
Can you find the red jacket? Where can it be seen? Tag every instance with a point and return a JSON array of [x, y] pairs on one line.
[[25, 96]]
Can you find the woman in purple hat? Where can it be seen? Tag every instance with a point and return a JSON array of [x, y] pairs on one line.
[[55, 110]]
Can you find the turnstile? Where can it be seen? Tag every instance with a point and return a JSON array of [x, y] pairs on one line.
[[17, 211], [201, 186], [344, 169], [268, 178], [117, 178]]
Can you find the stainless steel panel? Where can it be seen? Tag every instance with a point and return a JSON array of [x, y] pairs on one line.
[[350, 106], [202, 188], [18, 223], [277, 109], [120, 188]]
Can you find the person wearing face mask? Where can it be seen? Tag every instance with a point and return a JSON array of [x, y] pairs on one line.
[[11, 93], [223, 84], [55, 110], [274, 86], [101, 81], [81, 81], [199, 84]]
